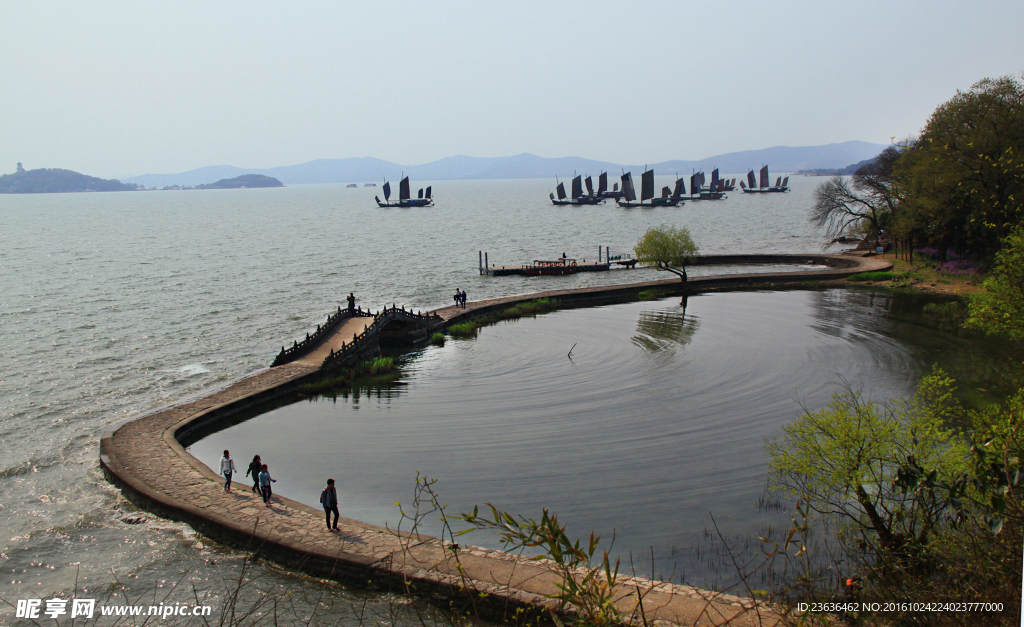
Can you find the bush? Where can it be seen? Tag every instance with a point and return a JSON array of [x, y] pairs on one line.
[[464, 329], [437, 339]]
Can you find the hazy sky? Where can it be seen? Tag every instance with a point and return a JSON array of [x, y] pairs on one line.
[[124, 88]]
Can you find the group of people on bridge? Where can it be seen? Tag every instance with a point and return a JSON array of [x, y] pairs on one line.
[[261, 481]]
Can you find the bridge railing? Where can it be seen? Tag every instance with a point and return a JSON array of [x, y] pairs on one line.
[[298, 349], [380, 318]]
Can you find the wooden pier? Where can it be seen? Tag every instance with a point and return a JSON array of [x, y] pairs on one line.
[[539, 267]]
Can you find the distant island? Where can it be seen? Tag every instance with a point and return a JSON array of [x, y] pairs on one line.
[[55, 180], [246, 180], [849, 170]]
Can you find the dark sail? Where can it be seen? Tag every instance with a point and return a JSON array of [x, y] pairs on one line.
[[403, 189], [714, 180], [647, 185], [785, 181], [561, 191], [627, 187], [680, 188], [615, 187], [665, 192], [778, 182], [751, 181], [421, 193], [387, 191], [694, 184], [577, 187], [764, 177], [602, 183], [428, 191], [590, 186]]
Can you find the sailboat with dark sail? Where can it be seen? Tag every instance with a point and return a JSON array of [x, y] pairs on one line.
[[405, 199], [602, 188], [764, 185], [669, 198], [716, 191], [578, 197]]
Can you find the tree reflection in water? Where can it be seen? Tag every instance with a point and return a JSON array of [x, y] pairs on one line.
[[665, 329]]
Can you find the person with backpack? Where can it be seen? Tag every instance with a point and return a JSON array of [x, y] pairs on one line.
[[329, 499]]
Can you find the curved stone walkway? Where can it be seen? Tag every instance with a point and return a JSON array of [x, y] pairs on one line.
[[146, 460]]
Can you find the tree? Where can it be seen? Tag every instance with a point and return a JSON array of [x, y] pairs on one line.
[[962, 186], [999, 310], [870, 196], [666, 248], [844, 461]]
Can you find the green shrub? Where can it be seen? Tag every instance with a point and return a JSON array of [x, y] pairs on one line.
[[464, 329], [437, 339]]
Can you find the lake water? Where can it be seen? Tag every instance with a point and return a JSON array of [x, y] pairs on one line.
[[119, 302]]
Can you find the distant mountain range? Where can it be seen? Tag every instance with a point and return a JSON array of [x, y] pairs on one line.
[[525, 166]]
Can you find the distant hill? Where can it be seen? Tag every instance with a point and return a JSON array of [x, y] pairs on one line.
[[847, 171], [246, 180], [524, 166], [55, 180]]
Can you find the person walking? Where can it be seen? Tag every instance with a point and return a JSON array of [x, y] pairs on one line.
[[329, 499], [255, 466], [351, 303], [265, 481], [462, 298], [458, 297], [227, 468]]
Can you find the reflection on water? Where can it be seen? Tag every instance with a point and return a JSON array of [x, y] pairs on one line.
[[661, 330], [654, 424]]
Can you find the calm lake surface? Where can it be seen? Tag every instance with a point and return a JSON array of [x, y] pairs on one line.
[[115, 303]]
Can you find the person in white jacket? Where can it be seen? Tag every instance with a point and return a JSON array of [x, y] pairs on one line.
[[227, 468]]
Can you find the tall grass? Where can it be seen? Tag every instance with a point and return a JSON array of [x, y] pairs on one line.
[[372, 371]]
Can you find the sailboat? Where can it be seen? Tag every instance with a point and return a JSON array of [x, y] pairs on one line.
[[578, 197], [668, 197], [754, 186], [405, 199], [698, 191], [602, 188]]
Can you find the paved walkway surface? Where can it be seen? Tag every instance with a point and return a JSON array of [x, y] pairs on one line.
[[344, 333], [146, 460]]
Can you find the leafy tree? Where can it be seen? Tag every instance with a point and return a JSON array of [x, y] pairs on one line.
[[843, 460], [999, 310], [925, 513], [962, 184], [666, 248], [868, 198]]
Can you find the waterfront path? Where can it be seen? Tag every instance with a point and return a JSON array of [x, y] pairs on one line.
[[146, 459]]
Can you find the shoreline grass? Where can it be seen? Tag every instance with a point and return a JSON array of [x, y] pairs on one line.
[[377, 371]]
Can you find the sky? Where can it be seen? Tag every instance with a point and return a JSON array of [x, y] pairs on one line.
[[117, 89]]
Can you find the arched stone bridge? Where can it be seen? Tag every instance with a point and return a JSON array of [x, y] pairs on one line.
[[348, 336]]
